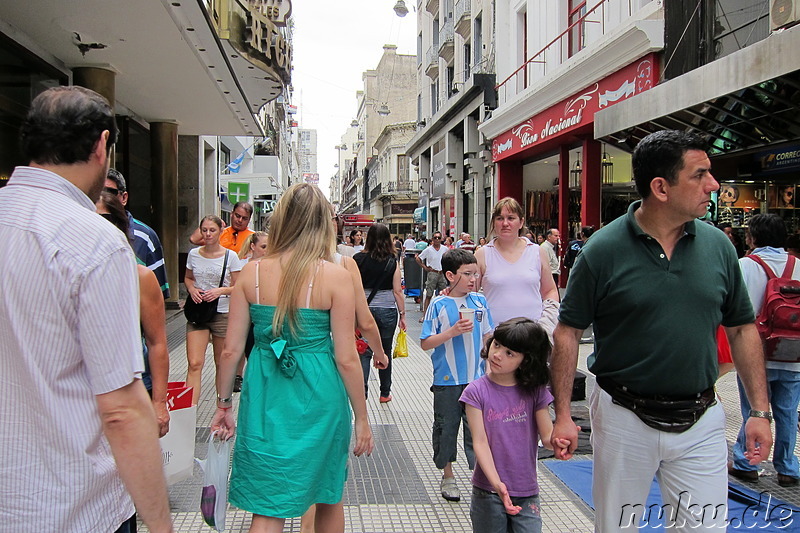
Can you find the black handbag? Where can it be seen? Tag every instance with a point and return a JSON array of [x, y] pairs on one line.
[[204, 312]]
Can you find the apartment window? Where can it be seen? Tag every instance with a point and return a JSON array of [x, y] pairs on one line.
[[739, 23], [467, 60], [577, 33], [522, 19], [419, 108], [436, 33], [419, 49], [477, 38], [450, 79], [434, 96]]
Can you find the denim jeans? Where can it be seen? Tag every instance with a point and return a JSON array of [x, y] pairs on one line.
[[489, 516], [448, 414], [783, 387], [386, 318]]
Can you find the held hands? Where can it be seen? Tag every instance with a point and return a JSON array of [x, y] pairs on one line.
[[223, 423], [759, 439], [502, 491], [464, 325], [564, 438], [364, 442], [212, 294]]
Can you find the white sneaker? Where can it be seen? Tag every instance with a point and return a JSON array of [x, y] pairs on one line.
[[449, 489]]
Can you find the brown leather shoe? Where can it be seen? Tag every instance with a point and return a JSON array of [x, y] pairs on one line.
[[744, 475], [787, 481]]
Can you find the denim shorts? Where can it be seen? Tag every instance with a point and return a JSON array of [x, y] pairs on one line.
[[489, 515]]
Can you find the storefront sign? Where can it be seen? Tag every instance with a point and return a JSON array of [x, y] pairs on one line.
[[278, 11], [265, 43], [777, 161], [403, 209], [420, 215], [579, 109], [438, 174]]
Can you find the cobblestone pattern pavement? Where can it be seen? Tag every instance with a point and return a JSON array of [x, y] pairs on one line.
[[396, 490]]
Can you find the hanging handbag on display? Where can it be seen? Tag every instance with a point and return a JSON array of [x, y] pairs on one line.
[[204, 312]]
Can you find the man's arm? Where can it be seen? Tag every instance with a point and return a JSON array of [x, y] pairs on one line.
[[130, 427], [748, 358], [562, 371], [196, 238], [419, 261], [151, 305]]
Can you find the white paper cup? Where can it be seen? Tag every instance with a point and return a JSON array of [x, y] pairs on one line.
[[467, 313]]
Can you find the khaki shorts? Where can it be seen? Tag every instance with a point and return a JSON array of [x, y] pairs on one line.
[[218, 325], [436, 282]]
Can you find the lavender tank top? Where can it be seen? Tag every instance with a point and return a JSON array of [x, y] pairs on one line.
[[513, 289]]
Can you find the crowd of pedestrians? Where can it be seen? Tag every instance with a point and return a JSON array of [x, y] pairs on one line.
[[82, 327]]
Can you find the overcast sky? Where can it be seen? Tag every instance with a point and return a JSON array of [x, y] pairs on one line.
[[334, 43]]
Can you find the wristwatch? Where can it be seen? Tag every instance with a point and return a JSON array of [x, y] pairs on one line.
[[760, 414]]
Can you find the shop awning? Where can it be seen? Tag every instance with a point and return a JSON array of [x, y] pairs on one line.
[[748, 99], [420, 215]]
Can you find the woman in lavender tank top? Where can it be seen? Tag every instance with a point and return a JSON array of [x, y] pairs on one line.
[[515, 276]]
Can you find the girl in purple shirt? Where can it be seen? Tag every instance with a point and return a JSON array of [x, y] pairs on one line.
[[508, 413]]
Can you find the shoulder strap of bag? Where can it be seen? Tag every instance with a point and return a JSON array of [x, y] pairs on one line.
[[765, 266], [386, 269], [224, 266]]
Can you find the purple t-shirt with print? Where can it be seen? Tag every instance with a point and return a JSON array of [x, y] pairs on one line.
[[509, 417]]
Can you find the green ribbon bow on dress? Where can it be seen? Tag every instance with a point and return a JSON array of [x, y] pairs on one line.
[[286, 361]]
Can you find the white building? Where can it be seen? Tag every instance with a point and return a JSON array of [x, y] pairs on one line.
[[455, 92]]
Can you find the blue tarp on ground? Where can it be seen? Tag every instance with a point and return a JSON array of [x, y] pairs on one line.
[[747, 509]]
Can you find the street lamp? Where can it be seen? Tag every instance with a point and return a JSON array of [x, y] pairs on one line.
[[400, 8]]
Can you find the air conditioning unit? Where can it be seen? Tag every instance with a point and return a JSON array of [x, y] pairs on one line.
[[783, 13]]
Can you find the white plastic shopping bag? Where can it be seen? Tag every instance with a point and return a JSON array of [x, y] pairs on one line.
[[177, 446], [214, 500]]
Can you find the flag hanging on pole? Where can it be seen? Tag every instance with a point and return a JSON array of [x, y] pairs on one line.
[[236, 164]]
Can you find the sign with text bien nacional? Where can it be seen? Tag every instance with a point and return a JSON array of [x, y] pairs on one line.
[[579, 109]]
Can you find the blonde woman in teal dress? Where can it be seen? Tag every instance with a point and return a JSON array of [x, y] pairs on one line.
[[294, 419]]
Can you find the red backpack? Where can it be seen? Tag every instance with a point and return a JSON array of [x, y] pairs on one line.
[[778, 321]]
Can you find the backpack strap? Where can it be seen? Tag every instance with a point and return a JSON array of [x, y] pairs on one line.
[[788, 272], [767, 269]]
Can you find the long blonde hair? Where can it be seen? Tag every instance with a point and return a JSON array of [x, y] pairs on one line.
[[302, 227], [253, 238]]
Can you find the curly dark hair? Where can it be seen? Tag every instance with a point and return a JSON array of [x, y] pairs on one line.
[[525, 336], [64, 125]]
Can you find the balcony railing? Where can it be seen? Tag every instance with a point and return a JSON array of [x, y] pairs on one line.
[[595, 23], [432, 62], [463, 16], [402, 187], [447, 40]]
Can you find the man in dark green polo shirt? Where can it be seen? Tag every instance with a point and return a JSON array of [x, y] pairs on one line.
[[656, 284]]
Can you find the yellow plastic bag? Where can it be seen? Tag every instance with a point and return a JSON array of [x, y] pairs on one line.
[[401, 345]]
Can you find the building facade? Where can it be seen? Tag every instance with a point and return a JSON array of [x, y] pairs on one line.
[[384, 100], [202, 83], [455, 92]]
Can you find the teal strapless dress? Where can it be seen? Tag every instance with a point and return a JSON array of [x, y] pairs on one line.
[[293, 432]]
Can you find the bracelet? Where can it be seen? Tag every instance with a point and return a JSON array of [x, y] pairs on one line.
[[402, 313], [223, 408], [224, 400]]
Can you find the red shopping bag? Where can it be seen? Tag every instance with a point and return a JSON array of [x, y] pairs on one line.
[[177, 446]]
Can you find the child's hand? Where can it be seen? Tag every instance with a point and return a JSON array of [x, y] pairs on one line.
[[464, 325], [502, 491]]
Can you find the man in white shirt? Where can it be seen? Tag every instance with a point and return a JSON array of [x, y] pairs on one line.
[[81, 445], [550, 247], [432, 255], [409, 245]]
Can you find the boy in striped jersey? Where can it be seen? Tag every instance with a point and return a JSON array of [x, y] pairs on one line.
[[454, 328]]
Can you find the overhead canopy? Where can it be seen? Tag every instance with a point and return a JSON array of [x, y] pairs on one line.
[[748, 99]]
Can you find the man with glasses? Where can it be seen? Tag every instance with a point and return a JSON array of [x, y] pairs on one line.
[[146, 244], [432, 255]]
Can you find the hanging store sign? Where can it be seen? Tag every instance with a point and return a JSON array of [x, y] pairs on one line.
[[579, 109], [438, 174], [778, 161], [278, 11]]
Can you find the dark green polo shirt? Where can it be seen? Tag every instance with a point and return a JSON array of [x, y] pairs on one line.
[[655, 319]]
